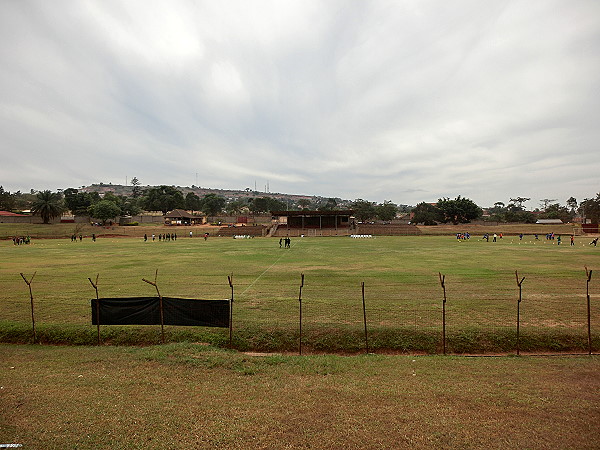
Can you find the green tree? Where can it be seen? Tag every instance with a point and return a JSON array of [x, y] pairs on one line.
[[519, 216], [136, 191], [235, 207], [192, 202], [7, 202], [386, 210], [555, 211], [363, 210], [545, 202], [163, 198], [23, 200], [518, 201], [572, 203], [425, 213], [263, 205], [79, 202], [48, 205], [212, 204], [497, 212], [515, 213], [590, 209], [130, 206], [104, 210], [276, 205], [459, 210]]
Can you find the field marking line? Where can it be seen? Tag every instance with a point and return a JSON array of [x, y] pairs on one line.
[[265, 271]]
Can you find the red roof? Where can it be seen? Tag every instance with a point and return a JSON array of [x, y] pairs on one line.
[[11, 214]]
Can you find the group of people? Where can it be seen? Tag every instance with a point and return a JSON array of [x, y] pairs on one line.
[[463, 236], [286, 242], [74, 237], [486, 236], [162, 237], [549, 236], [18, 240]]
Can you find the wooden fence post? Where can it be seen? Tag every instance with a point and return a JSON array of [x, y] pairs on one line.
[[589, 314], [95, 286], [230, 280], [519, 283], [28, 282], [365, 316], [300, 308], [162, 317], [443, 283]]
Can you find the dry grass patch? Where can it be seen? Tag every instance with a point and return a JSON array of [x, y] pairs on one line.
[[193, 396]]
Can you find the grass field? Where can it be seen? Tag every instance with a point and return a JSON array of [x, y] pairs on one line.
[[402, 291], [195, 396], [187, 394]]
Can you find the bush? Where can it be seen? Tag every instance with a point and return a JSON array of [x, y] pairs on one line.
[[131, 224]]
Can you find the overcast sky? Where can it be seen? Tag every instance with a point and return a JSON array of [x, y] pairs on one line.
[[406, 101]]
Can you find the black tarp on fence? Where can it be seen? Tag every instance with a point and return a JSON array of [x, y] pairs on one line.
[[176, 311]]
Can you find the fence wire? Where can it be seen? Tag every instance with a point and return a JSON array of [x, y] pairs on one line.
[[483, 304]]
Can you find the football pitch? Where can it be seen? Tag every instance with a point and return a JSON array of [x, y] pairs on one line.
[[193, 395], [403, 295]]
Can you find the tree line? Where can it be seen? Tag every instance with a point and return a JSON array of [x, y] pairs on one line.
[[463, 210], [50, 204]]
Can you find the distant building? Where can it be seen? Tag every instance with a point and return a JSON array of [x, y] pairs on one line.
[[312, 223], [11, 217], [181, 217]]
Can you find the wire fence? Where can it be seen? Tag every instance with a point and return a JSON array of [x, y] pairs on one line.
[[413, 313]]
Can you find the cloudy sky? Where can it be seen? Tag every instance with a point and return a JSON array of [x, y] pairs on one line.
[[406, 101]]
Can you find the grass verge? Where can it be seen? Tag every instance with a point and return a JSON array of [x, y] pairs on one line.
[[196, 396]]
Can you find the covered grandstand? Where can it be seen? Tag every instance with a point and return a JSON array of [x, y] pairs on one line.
[[312, 223]]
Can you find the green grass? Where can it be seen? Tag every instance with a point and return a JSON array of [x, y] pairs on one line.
[[194, 396], [402, 291]]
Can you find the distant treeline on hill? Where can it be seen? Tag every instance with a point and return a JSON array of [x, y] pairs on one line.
[[108, 201]]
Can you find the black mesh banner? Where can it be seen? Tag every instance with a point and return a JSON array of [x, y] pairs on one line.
[[176, 311]]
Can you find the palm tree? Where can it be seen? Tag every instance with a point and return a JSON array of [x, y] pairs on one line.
[[48, 205]]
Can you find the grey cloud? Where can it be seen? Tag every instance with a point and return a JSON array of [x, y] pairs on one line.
[[404, 101]]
